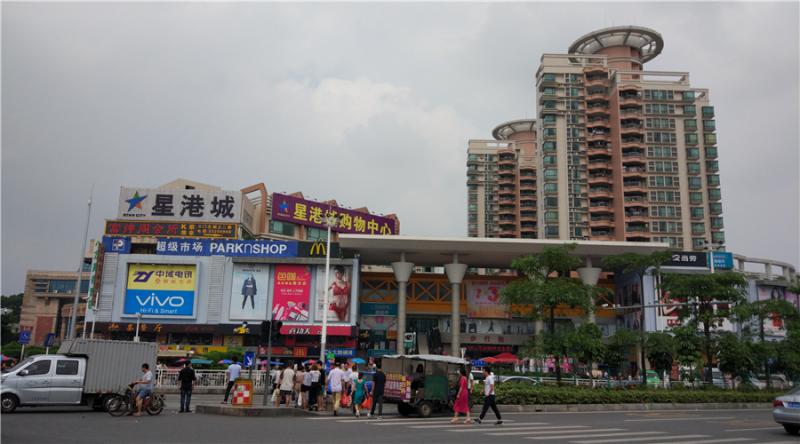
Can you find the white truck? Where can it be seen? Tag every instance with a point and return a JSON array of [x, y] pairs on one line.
[[84, 372]]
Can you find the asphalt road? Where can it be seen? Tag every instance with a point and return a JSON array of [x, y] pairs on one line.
[[79, 425]]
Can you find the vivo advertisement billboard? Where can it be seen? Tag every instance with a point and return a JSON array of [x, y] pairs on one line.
[[161, 290]]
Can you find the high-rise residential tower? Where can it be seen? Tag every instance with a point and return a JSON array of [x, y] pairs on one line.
[[501, 182], [623, 153]]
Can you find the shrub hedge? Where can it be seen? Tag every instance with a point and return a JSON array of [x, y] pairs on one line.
[[526, 395]]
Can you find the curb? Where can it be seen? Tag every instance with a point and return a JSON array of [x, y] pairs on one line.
[[227, 410]]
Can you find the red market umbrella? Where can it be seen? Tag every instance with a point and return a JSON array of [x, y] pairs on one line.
[[505, 358], [489, 360]]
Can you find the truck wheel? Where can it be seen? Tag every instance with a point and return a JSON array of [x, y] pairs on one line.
[[791, 429], [9, 403], [98, 404], [404, 409], [424, 409]]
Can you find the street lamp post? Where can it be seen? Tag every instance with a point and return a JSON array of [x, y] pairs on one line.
[[138, 319], [74, 316], [329, 222]]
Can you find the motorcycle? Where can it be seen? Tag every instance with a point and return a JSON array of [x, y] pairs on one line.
[[119, 405]]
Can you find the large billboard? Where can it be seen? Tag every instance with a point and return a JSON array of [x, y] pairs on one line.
[[249, 292], [483, 300], [170, 229], [180, 205], [230, 248], [339, 285], [313, 214], [774, 324], [291, 293], [161, 290]]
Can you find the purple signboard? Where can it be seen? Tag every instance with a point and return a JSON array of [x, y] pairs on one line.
[[309, 213]]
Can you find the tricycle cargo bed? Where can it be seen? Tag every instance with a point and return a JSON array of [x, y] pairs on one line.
[[111, 365]]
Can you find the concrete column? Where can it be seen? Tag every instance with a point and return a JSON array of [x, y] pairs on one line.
[[768, 270], [455, 274], [740, 261], [589, 276], [402, 273]]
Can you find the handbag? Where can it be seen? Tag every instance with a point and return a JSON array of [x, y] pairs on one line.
[[275, 394], [367, 403], [345, 401]]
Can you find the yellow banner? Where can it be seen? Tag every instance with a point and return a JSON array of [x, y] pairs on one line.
[[162, 277]]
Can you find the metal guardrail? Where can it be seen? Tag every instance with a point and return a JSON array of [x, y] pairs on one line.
[[168, 378]]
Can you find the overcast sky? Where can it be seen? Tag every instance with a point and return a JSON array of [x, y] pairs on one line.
[[369, 104]]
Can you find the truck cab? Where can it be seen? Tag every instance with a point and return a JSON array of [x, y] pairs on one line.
[[43, 380]]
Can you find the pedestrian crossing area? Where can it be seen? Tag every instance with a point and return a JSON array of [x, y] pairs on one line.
[[518, 430]]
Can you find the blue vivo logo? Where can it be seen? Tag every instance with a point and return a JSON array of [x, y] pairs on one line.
[[159, 302]]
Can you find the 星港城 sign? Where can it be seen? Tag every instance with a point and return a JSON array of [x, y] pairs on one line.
[[314, 214], [180, 205]]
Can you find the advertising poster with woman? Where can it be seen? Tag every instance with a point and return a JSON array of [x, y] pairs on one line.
[[249, 292], [291, 293], [339, 287]]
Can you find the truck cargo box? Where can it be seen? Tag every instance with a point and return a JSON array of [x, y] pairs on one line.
[[111, 365]]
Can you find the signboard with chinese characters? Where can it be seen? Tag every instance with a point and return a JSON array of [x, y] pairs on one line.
[[483, 300], [291, 293], [313, 214], [316, 330], [723, 260], [694, 259], [170, 229], [180, 205], [161, 290], [230, 248]]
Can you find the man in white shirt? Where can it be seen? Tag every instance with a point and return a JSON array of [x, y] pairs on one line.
[[336, 379], [233, 372], [489, 396], [145, 387], [287, 384]]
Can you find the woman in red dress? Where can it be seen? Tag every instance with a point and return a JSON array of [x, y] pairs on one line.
[[462, 399], [341, 294]]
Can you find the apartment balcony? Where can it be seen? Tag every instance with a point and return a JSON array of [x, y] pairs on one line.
[[632, 143], [597, 110], [507, 172], [527, 170], [635, 202], [598, 137], [634, 189], [599, 166], [507, 233], [596, 81], [600, 194], [507, 163], [595, 70], [599, 123], [527, 186], [508, 212], [638, 237], [598, 152], [597, 96], [630, 87], [639, 216], [632, 130], [599, 179], [600, 207], [602, 235], [633, 159], [527, 217], [506, 180], [601, 223], [629, 100], [633, 172]]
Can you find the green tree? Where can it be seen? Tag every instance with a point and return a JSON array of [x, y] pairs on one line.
[[10, 320], [586, 344], [759, 312], [735, 356], [661, 351], [710, 298], [639, 264], [687, 347], [619, 347], [548, 284], [788, 354]]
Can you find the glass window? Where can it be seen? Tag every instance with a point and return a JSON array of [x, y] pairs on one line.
[[697, 212], [550, 160], [689, 110], [693, 167], [713, 180], [709, 125], [66, 286], [688, 96], [549, 91], [39, 368], [711, 152], [714, 194], [66, 367], [549, 104], [551, 230], [551, 202], [314, 234], [691, 138], [549, 77], [549, 146], [715, 208], [708, 111], [695, 197], [550, 173], [698, 242], [698, 228], [712, 166], [695, 183], [690, 124], [551, 216], [692, 153], [549, 118], [550, 187], [718, 237], [716, 222], [710, 139], [551, 132], [287, 229]]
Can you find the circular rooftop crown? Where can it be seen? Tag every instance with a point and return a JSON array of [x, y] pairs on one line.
[[505, 130], [647, 41]]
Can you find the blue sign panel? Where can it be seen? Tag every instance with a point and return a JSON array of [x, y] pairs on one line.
[[723, 260], [121, 245], [343, 352], [378, 309], [159, 302], [48, 341], [24, 337], [249, 357], [231, 248]]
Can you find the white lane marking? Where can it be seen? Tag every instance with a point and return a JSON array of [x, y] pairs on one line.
[[702, 418], [468, 426], [532, 429], [350, 417], [643, 438], [708, 441], [595, 434], [759, 428], [551, 432], [443, 421]]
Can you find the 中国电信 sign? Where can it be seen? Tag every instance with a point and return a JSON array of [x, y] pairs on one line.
[[166, 290]]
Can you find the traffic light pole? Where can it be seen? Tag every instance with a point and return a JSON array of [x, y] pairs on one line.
[[269, 363]]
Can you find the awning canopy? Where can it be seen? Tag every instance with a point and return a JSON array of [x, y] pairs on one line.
[[475, 251]]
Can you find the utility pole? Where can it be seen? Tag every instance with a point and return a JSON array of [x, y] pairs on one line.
[[76, 299]]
